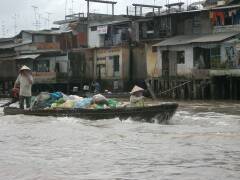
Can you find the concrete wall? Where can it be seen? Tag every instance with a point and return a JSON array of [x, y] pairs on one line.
[[139, 64], [181, 69], [102, 56], [187, 24], [186, 68], [159, 60], [153, 67], [95, 39], [125, 63]]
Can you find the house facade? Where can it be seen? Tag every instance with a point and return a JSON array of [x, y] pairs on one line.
[[169, 47], [206, 54], [41, 51]]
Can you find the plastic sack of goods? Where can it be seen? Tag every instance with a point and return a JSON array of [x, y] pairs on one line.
[[58, 100]]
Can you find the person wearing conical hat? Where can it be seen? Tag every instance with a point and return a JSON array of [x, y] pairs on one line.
[[137, 98], [24, 81]]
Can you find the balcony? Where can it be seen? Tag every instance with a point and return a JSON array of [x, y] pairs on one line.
[[117, 39], [207, 73], [228, 28]]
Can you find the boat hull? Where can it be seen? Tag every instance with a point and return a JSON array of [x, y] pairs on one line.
[[161, 113]]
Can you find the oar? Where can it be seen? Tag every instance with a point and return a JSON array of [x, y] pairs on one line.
[[9, 103], [14, 97]]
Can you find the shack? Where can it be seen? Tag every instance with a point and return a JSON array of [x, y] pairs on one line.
[[198, 59]]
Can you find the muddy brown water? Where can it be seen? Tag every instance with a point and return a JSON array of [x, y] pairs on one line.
[[201, 142]]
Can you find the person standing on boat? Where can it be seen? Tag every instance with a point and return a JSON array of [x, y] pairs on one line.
[[137, 98], [24, 81]]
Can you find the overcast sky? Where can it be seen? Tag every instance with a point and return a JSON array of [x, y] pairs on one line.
[[16, 15]]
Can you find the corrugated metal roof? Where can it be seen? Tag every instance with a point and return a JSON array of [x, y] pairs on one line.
[[46, 32], [43, 32], [226, 7], [209, 38], [13, 45], [92, 24], [214, 37], [6, 39], [28, 56]]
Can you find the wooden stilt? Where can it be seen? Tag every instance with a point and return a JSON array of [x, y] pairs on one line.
[[212, 89], [235, 89], [194, 89], [223, 90], [189, 91], [231, 88], [182, 93], [202, 88]]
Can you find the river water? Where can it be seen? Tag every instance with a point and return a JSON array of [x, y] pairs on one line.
[[201, 142]]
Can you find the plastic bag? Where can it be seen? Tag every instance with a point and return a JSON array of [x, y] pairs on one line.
[[75, 98], [43, 96], [112, 103], [69, 104], [58, 103], [41, 101], [99, 99], [56, 95], [84, 103]]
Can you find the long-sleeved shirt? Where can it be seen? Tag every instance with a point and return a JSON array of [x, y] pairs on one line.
[[137, 101], [25, 85]]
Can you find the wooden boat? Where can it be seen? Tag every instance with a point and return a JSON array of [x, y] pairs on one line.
[[156, 113]]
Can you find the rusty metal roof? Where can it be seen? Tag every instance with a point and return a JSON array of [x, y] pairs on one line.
[[209, 38]]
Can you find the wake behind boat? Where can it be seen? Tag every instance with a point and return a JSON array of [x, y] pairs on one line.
[[152, 113]]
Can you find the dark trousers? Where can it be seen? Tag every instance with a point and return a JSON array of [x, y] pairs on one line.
[[22, 99]]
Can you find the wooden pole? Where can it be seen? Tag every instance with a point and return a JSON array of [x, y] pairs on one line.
[[150, 90]]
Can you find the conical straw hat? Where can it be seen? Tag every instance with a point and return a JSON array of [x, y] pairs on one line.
[[25, 68], [136, 89]]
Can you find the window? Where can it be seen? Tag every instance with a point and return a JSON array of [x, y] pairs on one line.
[[42, 66], [181, 57], [94, 28], [49, 39]]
